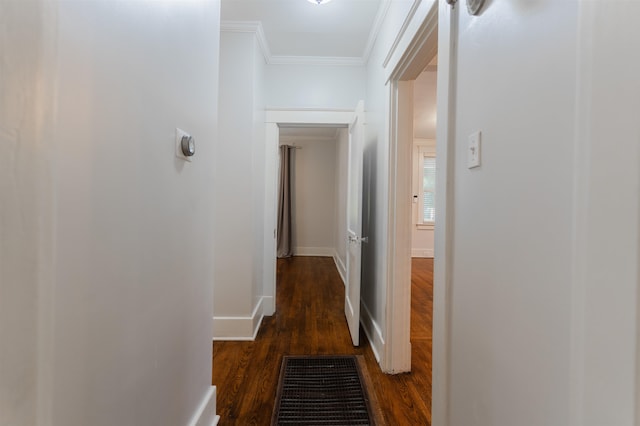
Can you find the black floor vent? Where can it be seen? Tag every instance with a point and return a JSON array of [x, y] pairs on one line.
[[325, 390]]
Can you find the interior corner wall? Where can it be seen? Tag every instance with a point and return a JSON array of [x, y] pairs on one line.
[[105, 296], [239, 189]]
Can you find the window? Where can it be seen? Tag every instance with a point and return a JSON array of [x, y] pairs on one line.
[[428, 189]]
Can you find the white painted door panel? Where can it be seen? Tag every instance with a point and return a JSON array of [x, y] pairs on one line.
[[354, 224]]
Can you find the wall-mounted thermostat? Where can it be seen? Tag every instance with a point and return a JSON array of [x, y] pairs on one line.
[[185, 145]]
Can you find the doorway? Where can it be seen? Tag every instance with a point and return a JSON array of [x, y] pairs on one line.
[[275, 120], [314, 215], [434, 36]]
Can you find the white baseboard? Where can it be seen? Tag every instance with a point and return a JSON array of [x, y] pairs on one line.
[[372, 330], [342, 270], [422, 253], [206, 415], [239, 328], [313, 251]]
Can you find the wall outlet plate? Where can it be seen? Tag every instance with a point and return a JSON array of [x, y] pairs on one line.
[[179, 134], [473, 152]]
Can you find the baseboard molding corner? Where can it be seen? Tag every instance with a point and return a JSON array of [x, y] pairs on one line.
[[205, 414], [239, 328], [372, 331]]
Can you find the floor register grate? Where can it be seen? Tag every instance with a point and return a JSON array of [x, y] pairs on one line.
[[324, 390]]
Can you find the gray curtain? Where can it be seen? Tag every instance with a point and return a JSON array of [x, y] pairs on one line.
[[285, 237]]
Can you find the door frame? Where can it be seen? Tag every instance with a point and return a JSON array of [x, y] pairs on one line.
[[433, 27], [274, 118]]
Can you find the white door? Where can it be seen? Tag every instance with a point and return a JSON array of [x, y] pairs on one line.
[[354, 224]]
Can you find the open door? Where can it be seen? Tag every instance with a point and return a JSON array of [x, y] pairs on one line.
[[354, 224]]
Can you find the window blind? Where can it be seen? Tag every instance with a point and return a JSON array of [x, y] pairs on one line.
[[428, 189]]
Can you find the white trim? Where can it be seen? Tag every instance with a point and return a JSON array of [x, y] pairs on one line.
[[372, 331], [401, 33], [397, 355], [409, 58], [307, 138], [375, 29], [426, 253], [342, 269], [445, 211], [335, 61], [404, 61], [254, 27], [427, 226], [205, 414], [309, 116], [239, 328], [313, 251]]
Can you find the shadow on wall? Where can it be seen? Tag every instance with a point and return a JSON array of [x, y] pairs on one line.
[[369, 192]]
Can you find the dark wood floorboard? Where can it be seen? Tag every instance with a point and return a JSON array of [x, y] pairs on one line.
[[310, 320]]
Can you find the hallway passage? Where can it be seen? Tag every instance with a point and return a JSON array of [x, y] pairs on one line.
[[309, 320]]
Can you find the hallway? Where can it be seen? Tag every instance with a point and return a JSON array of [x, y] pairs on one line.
[[310, 320]]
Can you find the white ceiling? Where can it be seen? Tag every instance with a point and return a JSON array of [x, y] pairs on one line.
[[340, 28]]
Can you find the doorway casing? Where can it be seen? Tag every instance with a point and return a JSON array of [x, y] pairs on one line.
[[429, 31], [274, 118]]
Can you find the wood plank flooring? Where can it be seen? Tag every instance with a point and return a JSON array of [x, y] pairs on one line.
[[310, 320]]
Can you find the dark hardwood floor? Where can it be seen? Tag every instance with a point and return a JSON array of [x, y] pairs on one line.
[[310, 320]]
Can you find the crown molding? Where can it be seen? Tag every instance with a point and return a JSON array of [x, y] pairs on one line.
[[342, 61], [254, 27], [347, 61]]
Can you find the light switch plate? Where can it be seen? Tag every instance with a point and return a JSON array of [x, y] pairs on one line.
[[473, 153], [179, 134]]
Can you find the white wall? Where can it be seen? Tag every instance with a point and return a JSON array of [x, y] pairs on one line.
[[110, 291], [314, 86], [314, 197], [424, 104], [544, 322], [421, 236], [239, 174], [511, 301]]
